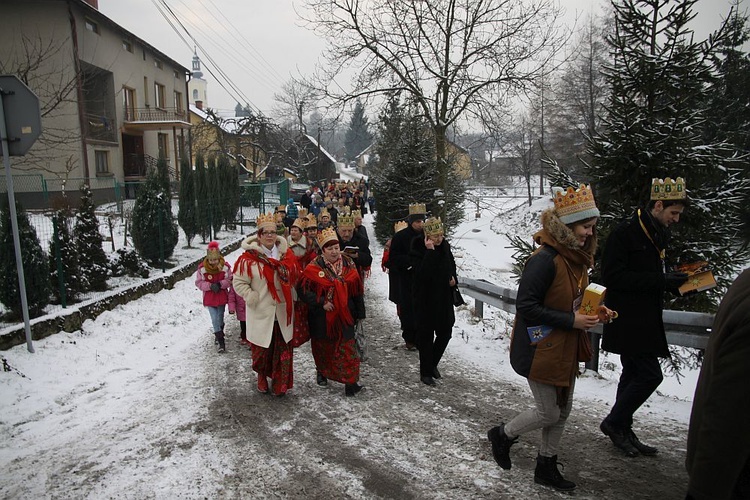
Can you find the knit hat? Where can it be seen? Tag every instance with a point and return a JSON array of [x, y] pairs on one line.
[[213, 251], [573, 205]]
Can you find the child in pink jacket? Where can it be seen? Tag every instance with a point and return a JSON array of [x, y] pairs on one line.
[[214, 278], [237, 305]]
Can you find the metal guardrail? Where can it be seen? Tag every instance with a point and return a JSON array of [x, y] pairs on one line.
[[683, 328]]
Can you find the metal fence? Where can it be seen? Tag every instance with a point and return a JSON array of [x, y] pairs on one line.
[[683, 328]]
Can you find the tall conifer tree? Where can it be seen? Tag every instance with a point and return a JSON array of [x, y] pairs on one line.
[[187, 215], [35, 265], [92, 260]]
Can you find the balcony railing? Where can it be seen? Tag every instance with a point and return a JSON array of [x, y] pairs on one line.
[[155, 115]]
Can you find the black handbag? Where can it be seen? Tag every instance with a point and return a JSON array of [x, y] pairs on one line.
[[458, 300]]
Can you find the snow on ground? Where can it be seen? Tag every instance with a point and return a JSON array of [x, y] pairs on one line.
[[127, 390]]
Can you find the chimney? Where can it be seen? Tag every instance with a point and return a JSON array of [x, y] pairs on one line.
[[93, 3], [199, 105]]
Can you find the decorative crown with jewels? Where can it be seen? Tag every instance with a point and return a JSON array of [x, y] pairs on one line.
[[433, 227], [268, 220], [668, 189], [357, 213], [417, 209], [573, 205], [345, 222], [302, 212], [327, 235], [312, 221], [399, 226]]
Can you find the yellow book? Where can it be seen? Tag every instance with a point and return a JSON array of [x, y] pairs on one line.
[[593, 297], [700, 277]]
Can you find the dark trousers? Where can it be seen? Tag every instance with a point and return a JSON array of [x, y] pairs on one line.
[[431, 344], [641, 375]]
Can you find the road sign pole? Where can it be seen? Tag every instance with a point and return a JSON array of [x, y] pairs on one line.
[[14, 224]]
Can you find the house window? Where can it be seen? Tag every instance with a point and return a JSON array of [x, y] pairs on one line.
[[178, 102], [177, 75], [128, 101], [102, 161], [127, 45], [158, 64], [163, 141], [145, 91], [180, 148], [195, 94], [160, 96], [92, 26]]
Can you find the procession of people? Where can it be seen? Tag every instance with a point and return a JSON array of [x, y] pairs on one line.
[[302, 278]]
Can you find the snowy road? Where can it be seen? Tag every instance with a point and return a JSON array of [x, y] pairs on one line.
[[138, 405]]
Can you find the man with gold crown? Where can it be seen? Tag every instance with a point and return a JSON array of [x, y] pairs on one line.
[[265, 276], [434, 279], [400, 266], [332, 288], [635, 273], [353, 244]]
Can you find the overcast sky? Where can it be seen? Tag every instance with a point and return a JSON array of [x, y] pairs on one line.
[[258, 44]]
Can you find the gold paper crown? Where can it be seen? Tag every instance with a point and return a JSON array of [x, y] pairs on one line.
[[399, 226], [300, 223], [345, 210], [417, 209], [357, 213], [433, 226], [324, 211], [302, 212], [668, 189], [266, 220], [326, 236], [346, 221], [573, 205], [281, 208]]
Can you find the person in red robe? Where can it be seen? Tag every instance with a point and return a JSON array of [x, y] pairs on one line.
[[332, 288]]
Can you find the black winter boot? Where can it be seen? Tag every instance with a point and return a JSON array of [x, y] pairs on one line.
[[501, 444], [547, 473], [220, 341], [352, 389]]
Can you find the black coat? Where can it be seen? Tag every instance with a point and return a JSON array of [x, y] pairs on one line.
[[632, 271], [305, 201], [431, 291], [364, 256], [401, 266]]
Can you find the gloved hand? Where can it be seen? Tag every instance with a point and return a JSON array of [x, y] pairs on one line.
[[673, 279], [252, 299], [215, 287]]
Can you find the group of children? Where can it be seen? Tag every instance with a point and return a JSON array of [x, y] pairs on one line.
[[214, 279]]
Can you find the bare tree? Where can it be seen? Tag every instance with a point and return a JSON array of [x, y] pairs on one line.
[[39, 64], [448, 56]]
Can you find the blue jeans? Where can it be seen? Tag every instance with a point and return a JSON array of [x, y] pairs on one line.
[[217, 317]]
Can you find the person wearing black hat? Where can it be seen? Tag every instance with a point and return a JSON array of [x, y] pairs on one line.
[[400, 264]]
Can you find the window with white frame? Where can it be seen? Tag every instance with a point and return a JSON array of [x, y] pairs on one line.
[[160, 96]]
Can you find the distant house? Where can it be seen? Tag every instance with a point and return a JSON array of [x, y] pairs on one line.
[[362, 160], [213, 135], [112, 102], [460, 158], [314, 159], [457, 155]]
